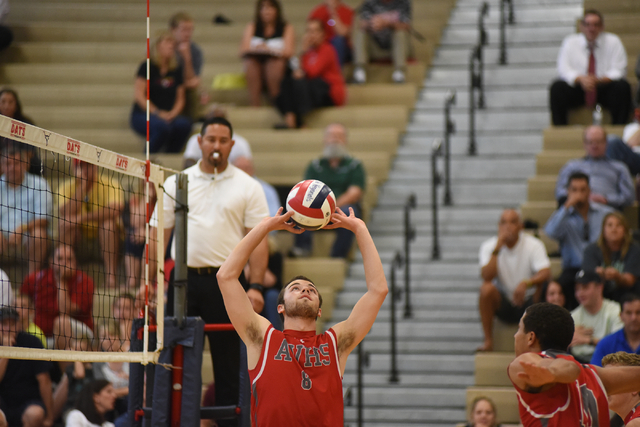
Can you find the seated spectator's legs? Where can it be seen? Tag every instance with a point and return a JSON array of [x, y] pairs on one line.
[[618, 150], [360, 51], [616, 97], [33, 416], [488, 304], [274, 70], [253, 74], [109, 243], [567, 280], [563, 97], [6, 37], [399, 49], [344, 238], [158, 129], [179, 130], [300, 96], [341, 45], [71, 334]]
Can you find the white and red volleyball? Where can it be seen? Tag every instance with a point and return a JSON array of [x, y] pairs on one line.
[[312, 202]]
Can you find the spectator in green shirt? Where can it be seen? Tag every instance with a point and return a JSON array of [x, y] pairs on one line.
[[345, 175]]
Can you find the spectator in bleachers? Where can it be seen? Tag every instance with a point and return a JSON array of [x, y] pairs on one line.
[[63, 300], [625, 405], [513, 266], [193, 153], [382, 33], [346, 177], [25, 385], [483, 413], [6, 35], [627, 148], [6, 291], [595, 317], [10, 106], [26, 311], [96, 399], [615, 257], [267, 44], [134, 219], [124, 311], [89, 206], [626, 339], [554, 294], [574, 225], [316, 82], [25, 208], [591, 69], [609, 180], [190, 58], [337, 20], [168, 128]]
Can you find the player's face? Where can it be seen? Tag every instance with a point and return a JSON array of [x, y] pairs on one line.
[[521, 339], [617, 402], [216, 139], [483, 415], [630, 316], [301, 300]]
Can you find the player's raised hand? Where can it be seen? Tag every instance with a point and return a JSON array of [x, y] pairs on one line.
[[340, 220], [536, 375], [282, 221]]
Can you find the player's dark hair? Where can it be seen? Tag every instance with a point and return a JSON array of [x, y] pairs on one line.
[[629, 298], [578, 176], [553, 325], [85, 403], [281, 294], [216, 121]]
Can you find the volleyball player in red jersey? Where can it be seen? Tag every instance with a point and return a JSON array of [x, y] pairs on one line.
[[555, 390], [296, 375], [626, 405]]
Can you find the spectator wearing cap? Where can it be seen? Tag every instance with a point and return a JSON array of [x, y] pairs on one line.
[[595, 317], [25, 385], [89, 206], [574, 225], [25, 208], [626, 339]]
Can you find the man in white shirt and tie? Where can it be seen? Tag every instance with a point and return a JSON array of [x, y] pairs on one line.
[[591, 69]]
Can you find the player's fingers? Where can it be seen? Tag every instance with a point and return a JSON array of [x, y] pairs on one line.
[[287, 215], [351, 214], [279, 211]]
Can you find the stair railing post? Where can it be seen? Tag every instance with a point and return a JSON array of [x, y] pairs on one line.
[[483, 41], [449, 128], [503, 35], [473, 83], [395, 264], [436, 151], [409, 236]]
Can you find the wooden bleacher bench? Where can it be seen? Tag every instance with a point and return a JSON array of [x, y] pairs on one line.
[[491, 368], [549, 162], [618, 6], [326, 273], [570, 137]]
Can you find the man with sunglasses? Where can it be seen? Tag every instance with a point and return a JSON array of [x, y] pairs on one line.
[[574, 225]]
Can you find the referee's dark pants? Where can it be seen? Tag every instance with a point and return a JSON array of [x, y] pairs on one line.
[[204, 299]]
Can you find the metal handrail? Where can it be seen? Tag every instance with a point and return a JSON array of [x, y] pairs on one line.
[[503, 30], [409, 236], [476, 76], [436, 151], [395, 264], [449, 129], [363, 360]]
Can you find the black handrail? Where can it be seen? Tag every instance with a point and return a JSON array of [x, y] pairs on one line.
[[396, 263], [436, 151], [409, 236], [363, 360], [503, 30], [449, 129], [476, 77]]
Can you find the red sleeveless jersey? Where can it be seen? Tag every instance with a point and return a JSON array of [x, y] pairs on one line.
[[297, 381], [580, 404], [634, 414]]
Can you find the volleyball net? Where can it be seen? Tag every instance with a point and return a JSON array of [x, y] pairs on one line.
[[79, 260]]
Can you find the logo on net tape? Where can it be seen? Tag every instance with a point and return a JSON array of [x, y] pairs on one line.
[[18, 129], [73, 146], [122, 162], [98, 154], [46, 137]]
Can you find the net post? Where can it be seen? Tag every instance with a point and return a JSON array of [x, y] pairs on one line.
[[180, 236]]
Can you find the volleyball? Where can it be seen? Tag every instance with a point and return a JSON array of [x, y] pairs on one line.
[[312, 202]]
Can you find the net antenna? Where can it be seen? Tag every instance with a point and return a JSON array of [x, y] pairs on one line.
[[148, 216], [116, 168]]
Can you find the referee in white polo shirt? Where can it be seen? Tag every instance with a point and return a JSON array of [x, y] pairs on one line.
[[224, 204]]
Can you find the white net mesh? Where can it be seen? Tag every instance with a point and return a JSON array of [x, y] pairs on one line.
[[73, 241]]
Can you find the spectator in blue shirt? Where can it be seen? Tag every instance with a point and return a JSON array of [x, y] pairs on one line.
[[610, 180], [626, 339], [574, 225]]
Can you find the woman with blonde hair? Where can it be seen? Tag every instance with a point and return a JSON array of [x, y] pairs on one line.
[[483, 413], [168, 128], [615, 257]]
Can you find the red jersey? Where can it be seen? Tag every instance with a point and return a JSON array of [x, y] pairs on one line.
[[42, 287], [297, 381], [322, 62], [581, 404], [322, 14], [633, 415]]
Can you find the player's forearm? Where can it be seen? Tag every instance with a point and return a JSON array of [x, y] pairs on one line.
[[564, 371], [374, 272], [258, 261]]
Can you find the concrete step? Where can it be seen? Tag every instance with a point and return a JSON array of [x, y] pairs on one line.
[[493, 118], [376, 378], [494, 75], [466, 168], [500, 97], [419, 364]]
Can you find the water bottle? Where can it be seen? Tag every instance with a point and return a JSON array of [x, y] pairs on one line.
[[597, 115]]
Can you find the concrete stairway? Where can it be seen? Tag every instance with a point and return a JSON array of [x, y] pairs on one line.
[[436, 346]]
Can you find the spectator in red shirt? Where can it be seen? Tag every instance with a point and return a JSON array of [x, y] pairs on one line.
[[337, 20], [63, 300], [318, 82]]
